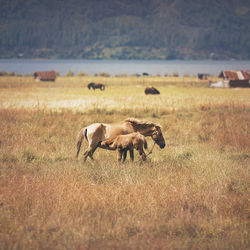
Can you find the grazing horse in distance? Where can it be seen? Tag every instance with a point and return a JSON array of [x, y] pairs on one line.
[[96, 86], [98, 132], [123, 143], [151, 90]]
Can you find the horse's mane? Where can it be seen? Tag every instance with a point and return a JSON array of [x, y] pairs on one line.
[[144, 124]]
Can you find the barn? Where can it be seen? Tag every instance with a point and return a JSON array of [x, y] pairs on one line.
[[45, 75], [235, 78]]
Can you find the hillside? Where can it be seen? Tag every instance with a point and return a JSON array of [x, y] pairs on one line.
[[125, 29]]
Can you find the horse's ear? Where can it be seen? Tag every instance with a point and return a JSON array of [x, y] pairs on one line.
[[157, 126], [103, 128]]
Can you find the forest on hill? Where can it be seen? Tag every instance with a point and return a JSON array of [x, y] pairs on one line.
[[125, 29]]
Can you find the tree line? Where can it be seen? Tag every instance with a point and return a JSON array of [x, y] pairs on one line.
[[161, 29]]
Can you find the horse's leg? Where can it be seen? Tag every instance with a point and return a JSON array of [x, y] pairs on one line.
[[94, 138], [131, 152], [90, 151], [87, 153]]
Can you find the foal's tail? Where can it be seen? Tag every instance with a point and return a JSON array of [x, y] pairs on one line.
[[80, 137], [145, 144]]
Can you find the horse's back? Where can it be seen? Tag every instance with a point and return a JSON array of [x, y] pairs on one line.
[[105, 131], [102, 131], [95, 132]]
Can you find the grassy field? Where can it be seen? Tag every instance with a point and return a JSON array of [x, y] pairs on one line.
[[193, 194]]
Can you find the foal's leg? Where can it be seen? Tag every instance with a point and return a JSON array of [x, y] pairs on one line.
[[131, 152], [124, 154], [142, 154], [119, 154]]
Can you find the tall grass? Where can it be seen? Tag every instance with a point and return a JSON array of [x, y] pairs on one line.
[[194, 194]]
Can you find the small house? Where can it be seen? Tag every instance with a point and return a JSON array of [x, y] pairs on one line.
[[45, 75], [235, 78]]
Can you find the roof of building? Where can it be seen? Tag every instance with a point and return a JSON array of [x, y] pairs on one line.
[[235, 75], [45, 75]]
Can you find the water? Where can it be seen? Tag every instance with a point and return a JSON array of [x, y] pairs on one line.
[[117, 67]]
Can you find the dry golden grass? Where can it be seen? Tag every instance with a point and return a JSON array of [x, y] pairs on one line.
[[194, 194]]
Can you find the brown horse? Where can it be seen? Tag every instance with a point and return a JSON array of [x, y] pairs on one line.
[[151, 91], [98, 132], [96, 86], [123, 143]]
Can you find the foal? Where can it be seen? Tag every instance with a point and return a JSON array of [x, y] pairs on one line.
[[123, 143]]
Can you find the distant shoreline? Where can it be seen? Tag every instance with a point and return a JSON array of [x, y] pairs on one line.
[[117, 67]]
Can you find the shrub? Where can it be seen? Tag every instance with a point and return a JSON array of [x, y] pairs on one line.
[[3, 73], [104, 74], [70, 73], [82, 74]]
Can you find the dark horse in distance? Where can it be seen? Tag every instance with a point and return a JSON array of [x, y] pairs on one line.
[[96, 86], [151, 91]]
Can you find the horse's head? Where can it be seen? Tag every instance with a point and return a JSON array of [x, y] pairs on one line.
[[158, 137], [148, 129]]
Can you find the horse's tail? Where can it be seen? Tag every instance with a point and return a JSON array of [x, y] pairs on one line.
[[145, 144], [103, 87], [79, 140]]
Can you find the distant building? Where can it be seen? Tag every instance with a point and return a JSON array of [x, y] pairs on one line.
[[235, 78], [45, 76]]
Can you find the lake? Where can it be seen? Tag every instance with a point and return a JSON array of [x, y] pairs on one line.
[[117, 67]]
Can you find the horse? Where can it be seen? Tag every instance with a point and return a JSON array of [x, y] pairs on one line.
[[151, 90], [123, 143], [96, 86], [98, 132]]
